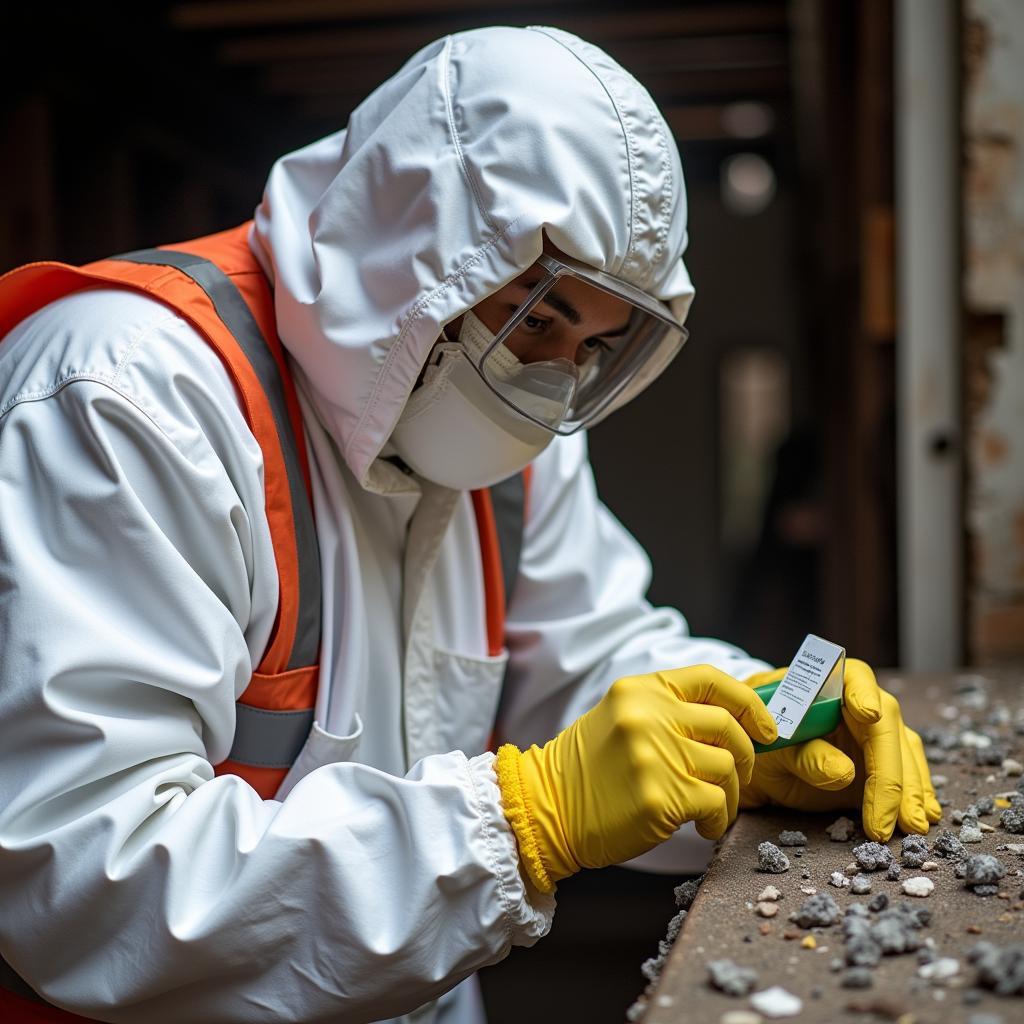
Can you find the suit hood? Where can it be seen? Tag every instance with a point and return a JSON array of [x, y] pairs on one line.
[[440, 191]]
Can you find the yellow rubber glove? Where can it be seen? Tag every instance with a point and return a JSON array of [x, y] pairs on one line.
[[872, 761], [656, 751]]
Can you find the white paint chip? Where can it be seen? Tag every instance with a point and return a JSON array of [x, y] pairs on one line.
[[776, 1002]]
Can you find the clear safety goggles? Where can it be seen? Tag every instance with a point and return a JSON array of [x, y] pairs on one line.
[[565, 395]]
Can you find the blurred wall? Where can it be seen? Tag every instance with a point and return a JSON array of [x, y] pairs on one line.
[[993, 126]]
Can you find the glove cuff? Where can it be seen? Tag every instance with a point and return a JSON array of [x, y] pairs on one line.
[[507, 766]]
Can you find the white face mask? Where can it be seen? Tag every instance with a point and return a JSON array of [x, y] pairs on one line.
[[455, 431]]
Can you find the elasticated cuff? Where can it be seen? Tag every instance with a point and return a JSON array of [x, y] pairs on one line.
[[517, 811]]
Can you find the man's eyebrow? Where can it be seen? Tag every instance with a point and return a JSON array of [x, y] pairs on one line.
[[569, 311]]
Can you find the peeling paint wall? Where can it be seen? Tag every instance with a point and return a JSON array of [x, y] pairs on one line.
[[994, 344]]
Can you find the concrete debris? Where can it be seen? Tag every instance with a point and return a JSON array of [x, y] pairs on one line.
[[919, 886], [687, 892], [841, 830], [1012, 820], [808, 890], [985, 806], [985, 827], [1001, 970], [856, 910], [776, 1002], [730, 978], [947, 845], [984, 1018], [838, 879], [939, 970], [860, 885], [1012, 768], [939, 780], [967, 817], [767, 909], [914, 851], [769, 892], [879, 903], [861, 948], [792, 839], [986, 890], [636, 1012], [872, 856], [969, 834], [930, 865], [991, 755], [857, 977], [771, 859], [893, 872], [819, 910], [982, 869], [1017, 848]]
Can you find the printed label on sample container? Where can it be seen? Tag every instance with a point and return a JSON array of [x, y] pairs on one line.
[[816, 663]]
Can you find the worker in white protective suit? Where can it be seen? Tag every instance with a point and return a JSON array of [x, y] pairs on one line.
[[487, 260]]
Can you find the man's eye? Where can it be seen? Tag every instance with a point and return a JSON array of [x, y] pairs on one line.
[[534, 324], [591, 345]]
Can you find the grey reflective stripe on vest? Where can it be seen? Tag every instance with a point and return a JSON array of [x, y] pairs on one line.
[[237, 317], [269, 739], [508, 499]]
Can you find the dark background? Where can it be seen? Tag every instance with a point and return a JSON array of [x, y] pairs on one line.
[[758, 472]]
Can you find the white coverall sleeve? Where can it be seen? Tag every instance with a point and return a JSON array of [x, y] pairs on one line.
[[136, 886], [578, 619]]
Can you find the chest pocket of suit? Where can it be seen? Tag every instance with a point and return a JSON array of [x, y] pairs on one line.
[[321, 747], [468, 688]]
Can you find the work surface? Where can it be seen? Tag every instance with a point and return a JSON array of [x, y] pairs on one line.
[[724, 921]]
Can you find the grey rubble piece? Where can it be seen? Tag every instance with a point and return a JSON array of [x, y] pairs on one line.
[[891, 933], [984, 805], [879, 903], [914, 851], [947, 845], [792, 839], [872, 856], [967, 817], [893, 872], [771, 859], [970, 834], [686, 892], [652, 967], [1012, 819], [819, 910], [841, 830], [982, 869], [730, 978], [861, 948], [860, 885], [857, 977], [991, 756], [1001, 970]]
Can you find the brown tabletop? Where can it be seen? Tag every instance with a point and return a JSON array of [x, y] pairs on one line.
[[723, 921]]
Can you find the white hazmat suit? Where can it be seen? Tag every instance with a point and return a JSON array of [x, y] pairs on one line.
[[138, 584]]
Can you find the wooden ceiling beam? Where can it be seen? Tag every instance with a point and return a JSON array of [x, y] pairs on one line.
[[451, 15]]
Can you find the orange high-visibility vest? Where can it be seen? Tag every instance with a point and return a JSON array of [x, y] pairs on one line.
[[216, 284]]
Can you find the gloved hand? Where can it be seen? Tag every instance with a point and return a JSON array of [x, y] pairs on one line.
[[656, 751], [872, 761]]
